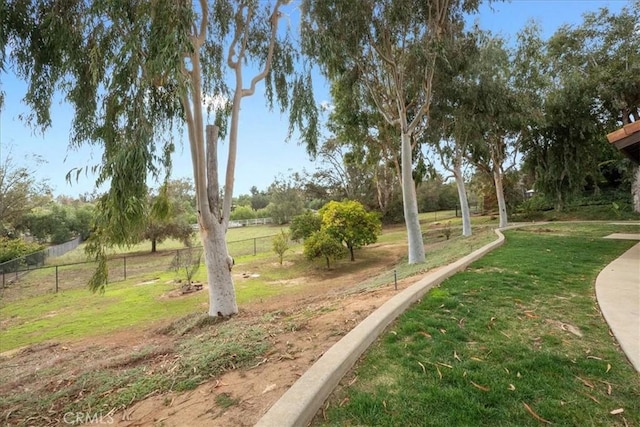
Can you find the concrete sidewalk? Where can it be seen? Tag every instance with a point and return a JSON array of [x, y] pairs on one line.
[[618, 294]]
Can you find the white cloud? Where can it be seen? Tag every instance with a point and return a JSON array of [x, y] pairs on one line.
[[214, 102], [327, 106]]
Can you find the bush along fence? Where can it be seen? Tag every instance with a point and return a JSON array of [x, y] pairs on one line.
[[12, 270], [36, 279]]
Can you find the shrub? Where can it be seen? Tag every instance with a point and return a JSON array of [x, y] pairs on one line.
[[322, 244], [281, 244], [16, 248], [242, 212], [303, 226]]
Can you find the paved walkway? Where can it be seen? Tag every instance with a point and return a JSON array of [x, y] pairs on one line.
[[618, 294]]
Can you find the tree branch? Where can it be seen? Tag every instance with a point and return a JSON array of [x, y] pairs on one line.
[[232, 46], [213, 186], [275, 16]]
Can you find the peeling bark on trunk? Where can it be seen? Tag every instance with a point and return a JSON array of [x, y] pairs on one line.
[[213, 230], [222, 296], [410, 205], [502, 206], [464, 203], [213, 213]]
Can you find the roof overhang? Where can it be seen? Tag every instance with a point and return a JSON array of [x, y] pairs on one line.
[[627, 140]]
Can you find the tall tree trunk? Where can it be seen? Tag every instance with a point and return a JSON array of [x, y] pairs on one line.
[[502, 205], [153, 246], [222, 296], [462, 196], [410, 204]]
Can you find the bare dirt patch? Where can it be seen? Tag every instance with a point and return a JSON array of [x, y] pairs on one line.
[[301, 327]]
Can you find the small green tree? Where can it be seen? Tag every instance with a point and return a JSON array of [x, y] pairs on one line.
[[303, 226], [168, 217], [349, 222], [281, 244], [287, 199], [322, 244]]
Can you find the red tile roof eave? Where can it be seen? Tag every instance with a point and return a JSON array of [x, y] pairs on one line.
[[625, 131]]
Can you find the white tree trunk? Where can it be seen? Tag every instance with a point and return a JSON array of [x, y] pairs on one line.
[[635, 191], [462, 196], [222, 296], [410, 205], [502, 205]]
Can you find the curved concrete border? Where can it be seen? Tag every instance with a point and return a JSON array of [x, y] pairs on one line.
[[301, 402], [618, 296]]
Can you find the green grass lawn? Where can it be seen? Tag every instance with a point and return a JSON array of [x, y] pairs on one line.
[[514, 340], [74, 312]]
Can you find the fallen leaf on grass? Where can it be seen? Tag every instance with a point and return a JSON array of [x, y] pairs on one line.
[[352, 382], [512, 387], [534, 415], [617, 411], [324, 410], [480, 387], [424, 334], [455, 356], [608, 367], [592, 398], [445, 365], [477, 359], [443, 331], [424, 370], [585, 382], [344, 401], [572, 329], [609, 389], [530, 314]]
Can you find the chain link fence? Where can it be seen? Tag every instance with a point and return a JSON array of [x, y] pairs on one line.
[[30, 276]]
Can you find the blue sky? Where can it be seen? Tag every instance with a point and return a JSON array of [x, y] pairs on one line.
[[263, 152]]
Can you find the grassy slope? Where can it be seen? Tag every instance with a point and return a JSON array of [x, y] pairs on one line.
[[491, 339], [77, 313]]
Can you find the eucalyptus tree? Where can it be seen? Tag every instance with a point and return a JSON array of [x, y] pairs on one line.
[[605, 46], [135, 72], [390, 47], [365, 143], [453, 114], [594, 90], [497, 115]]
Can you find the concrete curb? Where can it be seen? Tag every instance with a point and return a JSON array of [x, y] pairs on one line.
[[301, 402]]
